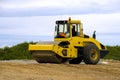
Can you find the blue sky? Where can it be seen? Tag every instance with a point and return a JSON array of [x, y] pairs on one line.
[[34, 20]]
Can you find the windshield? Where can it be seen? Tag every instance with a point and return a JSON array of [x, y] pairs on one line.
[[62, 31]]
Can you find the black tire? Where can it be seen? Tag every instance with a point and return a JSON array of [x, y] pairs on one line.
[[75, 61], [91, 54]]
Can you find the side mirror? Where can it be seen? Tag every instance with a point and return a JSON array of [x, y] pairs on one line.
[[94, 35]]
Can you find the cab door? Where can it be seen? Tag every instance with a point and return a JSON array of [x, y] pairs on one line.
[[76, 36]]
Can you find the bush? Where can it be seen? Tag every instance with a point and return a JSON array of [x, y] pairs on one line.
[[1, 53], [114, 52], [19, 51]]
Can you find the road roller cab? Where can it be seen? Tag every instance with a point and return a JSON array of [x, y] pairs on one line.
[[70, 44]]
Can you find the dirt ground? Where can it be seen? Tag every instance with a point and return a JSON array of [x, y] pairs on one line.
[[30, 70]]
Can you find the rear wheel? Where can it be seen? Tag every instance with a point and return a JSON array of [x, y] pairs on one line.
[[91, 54], [75, 61]]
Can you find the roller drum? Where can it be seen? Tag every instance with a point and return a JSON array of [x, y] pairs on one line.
[[47, 57]]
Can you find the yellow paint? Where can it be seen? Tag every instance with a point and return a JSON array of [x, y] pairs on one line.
[[40, 47]]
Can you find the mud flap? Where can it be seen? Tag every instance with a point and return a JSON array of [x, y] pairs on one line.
[[103, 53]]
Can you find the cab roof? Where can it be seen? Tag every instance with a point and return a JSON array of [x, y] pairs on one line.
[[68, 21]]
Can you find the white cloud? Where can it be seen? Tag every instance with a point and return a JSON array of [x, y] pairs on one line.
[[33, 4], [27, 25], [44, 25], [58, 3], [22, 8], [103, 23]]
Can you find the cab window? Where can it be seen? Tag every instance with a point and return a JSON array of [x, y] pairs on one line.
[[75, 30], [62, 31]]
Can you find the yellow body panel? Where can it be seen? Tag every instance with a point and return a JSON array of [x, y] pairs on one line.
[[78, 41], [71, 52], [40, 47], [74, 21]]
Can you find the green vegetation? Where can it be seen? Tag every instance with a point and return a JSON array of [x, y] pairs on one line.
[[20, 51], [114, 52]]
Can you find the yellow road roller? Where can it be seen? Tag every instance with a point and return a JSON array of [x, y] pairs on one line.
[[70, 45]]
